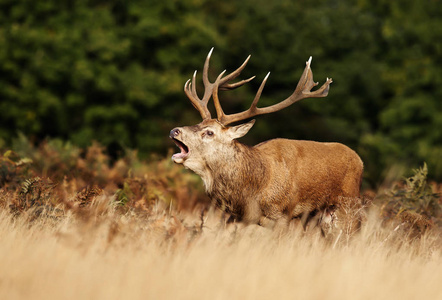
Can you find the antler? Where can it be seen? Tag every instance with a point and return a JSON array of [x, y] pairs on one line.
[[210, 88], [302, 91]]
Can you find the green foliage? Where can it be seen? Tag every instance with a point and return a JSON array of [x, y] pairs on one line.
[[113, 71], [94, 70], [12, 166], [124, 194], [413, 195], [418, 195]]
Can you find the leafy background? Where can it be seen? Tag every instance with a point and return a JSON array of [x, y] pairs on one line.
[[113, 72]]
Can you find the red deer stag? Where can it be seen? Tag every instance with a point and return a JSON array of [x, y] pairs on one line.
[[273, 182]]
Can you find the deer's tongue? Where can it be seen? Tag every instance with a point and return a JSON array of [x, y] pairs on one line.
[[179, 157]]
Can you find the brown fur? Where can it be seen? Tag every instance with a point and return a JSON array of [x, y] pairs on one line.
[[273, 182]]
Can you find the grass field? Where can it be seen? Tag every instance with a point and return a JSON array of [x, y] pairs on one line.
[[131, 230], [161, 257]]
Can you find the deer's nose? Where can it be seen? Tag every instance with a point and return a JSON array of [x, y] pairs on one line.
[[174, 132]]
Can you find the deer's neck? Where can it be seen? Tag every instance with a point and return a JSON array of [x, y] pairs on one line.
[[233, 178]]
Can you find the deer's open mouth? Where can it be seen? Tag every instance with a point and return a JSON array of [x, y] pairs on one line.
[[180, 157]]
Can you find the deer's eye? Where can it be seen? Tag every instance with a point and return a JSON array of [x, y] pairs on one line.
[[208, 133]]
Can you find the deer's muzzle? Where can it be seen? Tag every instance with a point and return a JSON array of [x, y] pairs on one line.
[[179, 157]]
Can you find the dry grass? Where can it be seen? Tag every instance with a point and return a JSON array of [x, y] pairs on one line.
[[131, 230], [162, 256]]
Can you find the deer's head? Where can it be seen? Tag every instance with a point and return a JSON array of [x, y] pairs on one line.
[[212, 139], [206, 143]]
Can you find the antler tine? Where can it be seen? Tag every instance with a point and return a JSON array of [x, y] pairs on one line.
[[305, 84], [232, 86], [219, 110], [252, 111], [258, 94], [206, 68], [193, 85], [302, 91], [190, 90], [199, 104], [234, 74], [222, 84]]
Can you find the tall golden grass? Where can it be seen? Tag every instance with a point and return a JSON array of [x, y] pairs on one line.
[[169, 256], [88, 229]]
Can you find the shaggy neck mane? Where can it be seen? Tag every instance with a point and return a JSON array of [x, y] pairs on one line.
[[236, 177]]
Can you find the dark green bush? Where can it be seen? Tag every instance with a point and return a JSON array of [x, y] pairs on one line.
[[113, 71]]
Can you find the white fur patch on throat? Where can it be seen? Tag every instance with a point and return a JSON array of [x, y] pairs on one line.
[[202, 172], [208, 181]]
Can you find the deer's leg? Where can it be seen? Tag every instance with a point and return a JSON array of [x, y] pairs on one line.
[[281, 225], [252, 213], [326, 220], [231, 219], [266, 222]]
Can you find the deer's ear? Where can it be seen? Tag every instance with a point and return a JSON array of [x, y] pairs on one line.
[[240, 130]]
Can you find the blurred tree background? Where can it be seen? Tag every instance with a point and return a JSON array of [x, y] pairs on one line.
[[113, 71]]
